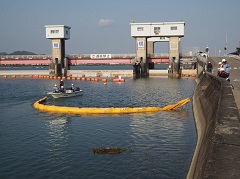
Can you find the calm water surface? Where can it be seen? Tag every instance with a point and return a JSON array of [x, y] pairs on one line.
[[46, 145]]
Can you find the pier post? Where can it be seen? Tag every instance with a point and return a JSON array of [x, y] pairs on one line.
[[141, 64], [174, 58]]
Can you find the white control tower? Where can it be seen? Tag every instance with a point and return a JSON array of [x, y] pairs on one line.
[[58, 34]]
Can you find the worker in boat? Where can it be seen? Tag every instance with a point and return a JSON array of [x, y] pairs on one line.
[[61, 85], [55, 89], [72, 87], [62, 89]]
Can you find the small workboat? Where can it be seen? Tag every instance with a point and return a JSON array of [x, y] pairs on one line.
[[66, 94]]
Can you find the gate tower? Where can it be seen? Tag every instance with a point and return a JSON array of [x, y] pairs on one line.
[[58, 34], [172, 31]]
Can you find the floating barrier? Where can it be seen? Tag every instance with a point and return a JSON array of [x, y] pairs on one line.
[[123, 110], [96, 80], [118, 80], [104, 80], [189, 75]]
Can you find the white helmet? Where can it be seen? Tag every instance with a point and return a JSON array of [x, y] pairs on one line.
[[55, 85], [220, 63], [223, 60], [221, 69]]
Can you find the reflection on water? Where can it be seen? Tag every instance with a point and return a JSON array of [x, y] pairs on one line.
[[48, 145], [57, 130]]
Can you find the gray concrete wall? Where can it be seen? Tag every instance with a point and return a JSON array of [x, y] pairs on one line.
[[218, 130]]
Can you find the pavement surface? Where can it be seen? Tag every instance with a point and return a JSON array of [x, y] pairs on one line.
[[234, 75]]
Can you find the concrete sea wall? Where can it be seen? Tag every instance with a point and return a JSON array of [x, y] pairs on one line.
[[218, 130]]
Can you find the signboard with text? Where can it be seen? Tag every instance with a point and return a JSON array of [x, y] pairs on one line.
[[141, 44], [55, 45], [95, 56]]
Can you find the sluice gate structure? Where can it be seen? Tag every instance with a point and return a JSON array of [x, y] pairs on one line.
[[165, 31]]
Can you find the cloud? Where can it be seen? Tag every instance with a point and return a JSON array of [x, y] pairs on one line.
[[105, 22]]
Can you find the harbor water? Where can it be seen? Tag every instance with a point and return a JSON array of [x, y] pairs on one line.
[[36, 144]]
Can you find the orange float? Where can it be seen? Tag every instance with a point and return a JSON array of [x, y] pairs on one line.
[[104, 80], [115, 80]]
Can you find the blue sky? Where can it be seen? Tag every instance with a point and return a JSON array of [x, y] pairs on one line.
[[103, 26]]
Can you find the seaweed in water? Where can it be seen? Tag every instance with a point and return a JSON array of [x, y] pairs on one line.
[[109, 150]]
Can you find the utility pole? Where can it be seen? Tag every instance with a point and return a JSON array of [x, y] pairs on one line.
[[225, 48]]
